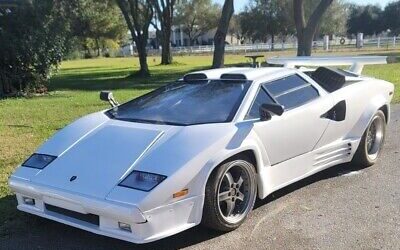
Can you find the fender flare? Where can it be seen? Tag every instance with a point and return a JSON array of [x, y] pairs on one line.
[[213, 164], [366, 117]]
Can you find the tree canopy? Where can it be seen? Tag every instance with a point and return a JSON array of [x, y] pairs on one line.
[[391, 17], [196, 17], [98, 24], [366, 19]]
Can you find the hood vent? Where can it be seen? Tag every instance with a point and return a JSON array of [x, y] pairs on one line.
[[195, 77], [230, 76]]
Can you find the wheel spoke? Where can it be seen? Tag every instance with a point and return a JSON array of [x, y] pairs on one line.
[[229, 178], [241, 196], [224, 196], [240, 181], [230, 205]]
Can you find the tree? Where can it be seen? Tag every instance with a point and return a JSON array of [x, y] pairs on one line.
[[335, 19], [263, 19], [165, 13], [138, 15], [277, 18], [253, 23], [220, 34], [97, 23], [33, 38], [197, 17], [366, 19], [391, 17], [235, 28], [306, 30]]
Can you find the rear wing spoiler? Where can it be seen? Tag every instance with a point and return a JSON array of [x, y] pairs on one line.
[[356, 63]]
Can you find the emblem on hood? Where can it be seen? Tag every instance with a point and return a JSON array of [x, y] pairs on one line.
[[72, 178]]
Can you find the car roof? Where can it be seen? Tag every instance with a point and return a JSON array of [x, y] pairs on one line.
[[245, 73]]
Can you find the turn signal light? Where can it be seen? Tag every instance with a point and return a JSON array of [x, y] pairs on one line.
[[28, 201], [181, 193], [124, 227]]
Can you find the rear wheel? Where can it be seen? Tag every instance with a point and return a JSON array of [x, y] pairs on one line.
[[230, 195], [372, 141]]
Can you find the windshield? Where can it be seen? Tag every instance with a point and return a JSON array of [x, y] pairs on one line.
[[182, 103]]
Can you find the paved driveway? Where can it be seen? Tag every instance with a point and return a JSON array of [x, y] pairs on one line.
[[340, 208]]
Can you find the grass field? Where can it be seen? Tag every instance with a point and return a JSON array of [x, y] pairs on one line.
[[26, 122]]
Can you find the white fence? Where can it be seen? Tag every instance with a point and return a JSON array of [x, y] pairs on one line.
[[336, 44]]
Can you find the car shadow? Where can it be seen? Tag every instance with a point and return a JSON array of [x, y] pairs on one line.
[[23, 231]]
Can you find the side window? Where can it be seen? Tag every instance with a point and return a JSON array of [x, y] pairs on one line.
[[261, 98], [292, 91]]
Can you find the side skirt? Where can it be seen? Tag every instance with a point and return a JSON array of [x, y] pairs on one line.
[[285, 173]]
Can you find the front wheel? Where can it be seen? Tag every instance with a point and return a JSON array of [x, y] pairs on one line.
[[230, 195], [372, 141]]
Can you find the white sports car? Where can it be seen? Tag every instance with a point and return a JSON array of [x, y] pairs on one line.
[[201, 150]]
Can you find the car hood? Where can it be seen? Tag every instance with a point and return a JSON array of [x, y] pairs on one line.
[[99, 158]]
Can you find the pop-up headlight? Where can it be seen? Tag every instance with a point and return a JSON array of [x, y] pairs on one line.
[[142, 180], [38, 161]]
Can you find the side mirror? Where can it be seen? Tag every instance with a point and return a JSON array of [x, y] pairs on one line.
[[267, 108], [107, 96]]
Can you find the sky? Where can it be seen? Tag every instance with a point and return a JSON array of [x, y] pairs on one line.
[[239, 4]]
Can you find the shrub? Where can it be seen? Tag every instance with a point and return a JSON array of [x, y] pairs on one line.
[[33, 39]]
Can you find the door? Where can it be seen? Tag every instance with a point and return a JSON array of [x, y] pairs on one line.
[[300, 127]]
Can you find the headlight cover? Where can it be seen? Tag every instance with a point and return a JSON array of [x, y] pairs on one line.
[[38, 161], [143, 181]]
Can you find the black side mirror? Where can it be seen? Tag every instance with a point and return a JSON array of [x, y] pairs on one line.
[[107, 96], [267, 108]]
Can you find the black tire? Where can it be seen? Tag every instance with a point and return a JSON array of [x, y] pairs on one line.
[[213, 217], [363, 157]]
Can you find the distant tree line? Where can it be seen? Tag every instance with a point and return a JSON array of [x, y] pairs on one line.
[[263, 20], [372, 20]]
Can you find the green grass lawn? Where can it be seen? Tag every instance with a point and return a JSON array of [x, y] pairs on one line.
[[26, 122]]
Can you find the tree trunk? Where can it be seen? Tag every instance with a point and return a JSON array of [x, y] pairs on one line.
[[220, 35], [138, 28], [304, 45], [97, 47], [166, 56], [272, 41], [2, 82], [306, 31], [142, 53], [165, 12]]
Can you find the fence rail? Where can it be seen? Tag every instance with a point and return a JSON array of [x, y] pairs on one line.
[[333, 45], [380, 42]]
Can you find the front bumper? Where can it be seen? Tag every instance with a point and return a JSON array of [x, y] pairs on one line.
[[144, 226]]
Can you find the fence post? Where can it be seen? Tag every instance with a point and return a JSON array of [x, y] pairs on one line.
[[379, 42], [326, 42], [394, 41], [360, 40]]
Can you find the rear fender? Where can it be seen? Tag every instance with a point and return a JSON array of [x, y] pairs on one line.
[[361, 125]]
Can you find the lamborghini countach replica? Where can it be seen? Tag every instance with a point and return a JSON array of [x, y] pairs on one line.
[[200, 150]]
